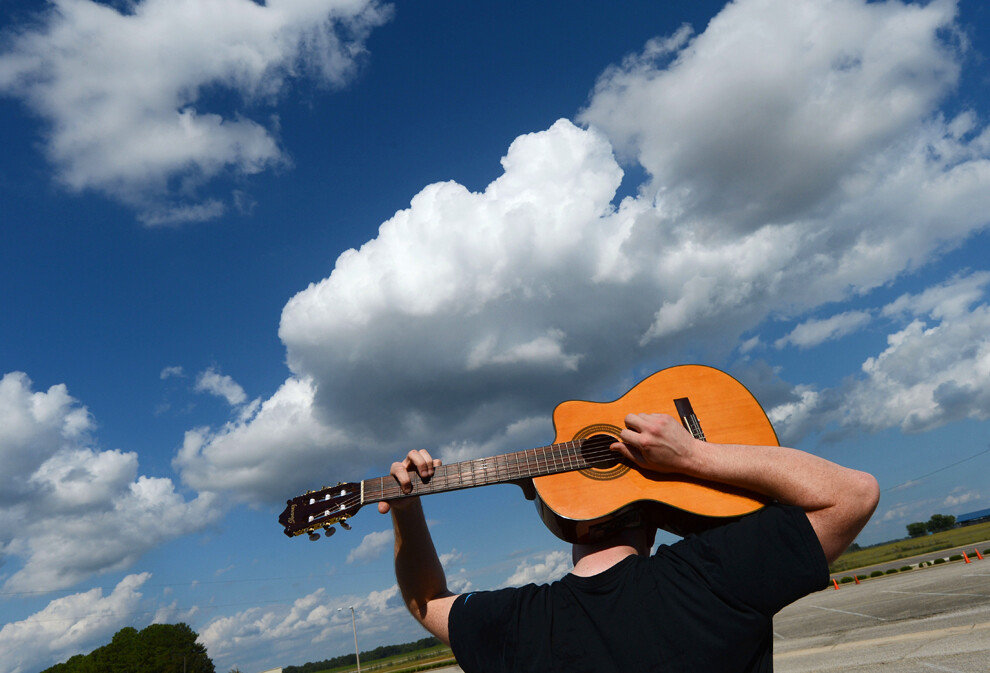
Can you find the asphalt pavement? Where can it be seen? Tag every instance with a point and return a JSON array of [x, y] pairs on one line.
[[933, 619]]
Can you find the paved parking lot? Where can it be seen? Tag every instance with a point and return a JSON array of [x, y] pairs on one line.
[[934, 619]]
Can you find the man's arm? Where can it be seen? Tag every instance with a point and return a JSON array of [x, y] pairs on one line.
[[417, 568], [838, 501]]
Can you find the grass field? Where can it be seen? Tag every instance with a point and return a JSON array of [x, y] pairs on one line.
[[912, 546], [419, 660]]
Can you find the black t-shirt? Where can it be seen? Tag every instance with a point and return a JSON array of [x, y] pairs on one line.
[[703, 604]]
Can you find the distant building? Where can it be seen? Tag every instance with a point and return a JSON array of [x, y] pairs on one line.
[[978, 516], [273, 670]]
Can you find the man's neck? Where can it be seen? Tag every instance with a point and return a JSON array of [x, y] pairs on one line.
[[589, 560]]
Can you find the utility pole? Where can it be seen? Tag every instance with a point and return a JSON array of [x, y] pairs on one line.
[[357, 653]]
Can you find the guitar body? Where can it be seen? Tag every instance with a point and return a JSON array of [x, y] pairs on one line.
[[593, 503]]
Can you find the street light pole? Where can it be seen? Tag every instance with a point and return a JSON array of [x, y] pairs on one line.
[[357, 653]]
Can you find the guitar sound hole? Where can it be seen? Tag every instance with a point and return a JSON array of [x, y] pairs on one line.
[[596, 453]]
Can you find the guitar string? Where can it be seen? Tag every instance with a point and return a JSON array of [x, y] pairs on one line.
[[590, 452], [479, 477]]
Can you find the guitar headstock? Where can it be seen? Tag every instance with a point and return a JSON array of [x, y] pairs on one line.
[[321, 509]]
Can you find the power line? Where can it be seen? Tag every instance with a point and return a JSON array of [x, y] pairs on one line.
[[958, 462]]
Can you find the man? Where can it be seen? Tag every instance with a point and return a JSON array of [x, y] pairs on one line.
[[706, 601]]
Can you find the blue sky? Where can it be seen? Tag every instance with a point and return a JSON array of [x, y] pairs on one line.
[[249, 249]]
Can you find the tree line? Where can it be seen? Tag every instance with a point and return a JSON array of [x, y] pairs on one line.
[[936, 524], [160, 648], [350, 660]]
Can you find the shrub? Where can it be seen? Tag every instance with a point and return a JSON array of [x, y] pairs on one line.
[[846, 580], [876, 573], [938, 560], [956, 557], [891, 571], [861, 577], [906, 568]]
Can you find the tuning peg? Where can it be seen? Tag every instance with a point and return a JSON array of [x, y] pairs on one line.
[[329, 530], [345, 525], [314, 536]]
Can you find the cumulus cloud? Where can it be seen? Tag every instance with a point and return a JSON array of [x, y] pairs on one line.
[[172, 371], [934, 370], [69, 625], [960, 497], [814, 332], [33, 427], [125, 92], [221, 385], [371, 547], [796, 157], [547, 568], [60, 494], [769, 111], [305, 627], [267, 453]]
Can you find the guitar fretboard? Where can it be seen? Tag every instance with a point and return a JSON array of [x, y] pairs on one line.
[[538, 462]]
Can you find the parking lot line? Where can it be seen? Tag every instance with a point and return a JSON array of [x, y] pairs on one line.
[[939, 668], [846, 612], [932, 593]]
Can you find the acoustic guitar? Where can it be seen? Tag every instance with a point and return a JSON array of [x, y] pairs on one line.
[[584, 491]]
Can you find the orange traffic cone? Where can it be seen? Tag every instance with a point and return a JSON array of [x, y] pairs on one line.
[[978, 554], [965, 557], [835, 583]]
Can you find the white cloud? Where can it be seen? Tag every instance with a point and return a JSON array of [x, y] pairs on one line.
[[173, 371], [60, 495], [778, 103], [304, 627], [950, 299], [960, 497], [124, 93], [268, 453], [916, 511], [450, 557], [371, 547], [786, 174], [33, 427], [221, 385], [814, 332], [934, 370], [69, 625], [547, 568]]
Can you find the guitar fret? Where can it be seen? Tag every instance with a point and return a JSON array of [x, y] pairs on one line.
[[540, 461]]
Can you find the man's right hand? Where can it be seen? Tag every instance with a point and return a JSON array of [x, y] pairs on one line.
[[657, 442]]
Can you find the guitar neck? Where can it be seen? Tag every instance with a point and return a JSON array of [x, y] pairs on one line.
[[506, 468]]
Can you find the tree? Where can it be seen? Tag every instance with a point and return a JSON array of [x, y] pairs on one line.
[[160, 648], [917, 529], [940, 522]]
